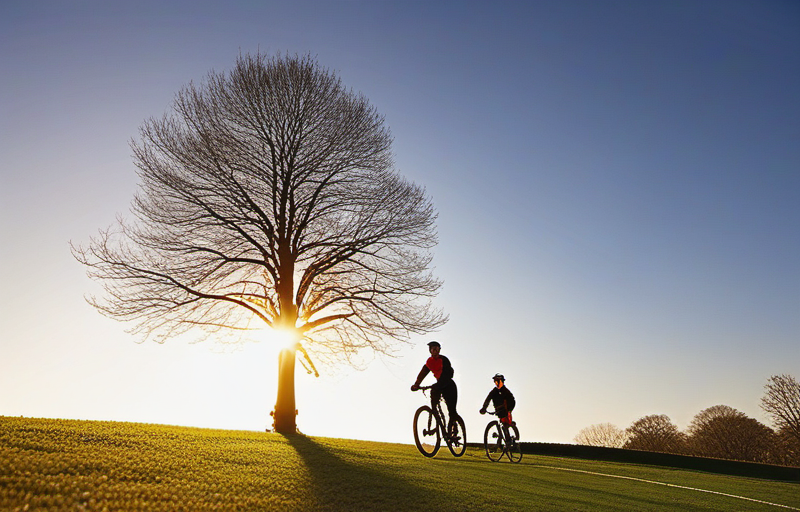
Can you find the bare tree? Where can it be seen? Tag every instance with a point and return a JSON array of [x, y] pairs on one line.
[[602, 434], [655, 433], [269, 195], [781, 401], [726, 433], [787, 449]]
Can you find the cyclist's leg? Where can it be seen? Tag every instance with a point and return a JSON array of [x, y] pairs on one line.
[[436, 393], [505, 422], [450, 394], [511, 433]]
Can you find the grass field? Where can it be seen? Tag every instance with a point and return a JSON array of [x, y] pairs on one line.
[[79, 465]]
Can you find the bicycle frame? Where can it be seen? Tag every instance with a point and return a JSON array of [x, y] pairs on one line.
[[438, 412], [507, 443], [428, 436]]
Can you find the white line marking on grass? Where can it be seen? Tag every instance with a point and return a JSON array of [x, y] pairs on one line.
[[667, 485]]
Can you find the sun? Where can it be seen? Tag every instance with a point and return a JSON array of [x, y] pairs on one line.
[[279, 338]]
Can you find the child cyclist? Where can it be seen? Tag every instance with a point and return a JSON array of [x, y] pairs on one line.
[[502, 399]]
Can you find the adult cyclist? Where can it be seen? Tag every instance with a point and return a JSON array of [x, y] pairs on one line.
[[445, 386]]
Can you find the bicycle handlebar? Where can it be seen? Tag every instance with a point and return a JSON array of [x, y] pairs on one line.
[[492, 413]]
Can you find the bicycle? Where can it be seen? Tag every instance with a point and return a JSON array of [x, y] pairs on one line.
[[500, 439], [430, 428]]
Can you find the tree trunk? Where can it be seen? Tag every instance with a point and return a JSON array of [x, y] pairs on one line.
[[285, 412]]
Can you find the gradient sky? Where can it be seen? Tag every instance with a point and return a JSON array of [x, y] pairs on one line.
[[618, 188]]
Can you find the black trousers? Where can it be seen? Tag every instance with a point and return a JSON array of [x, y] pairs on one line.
[[450, 394]]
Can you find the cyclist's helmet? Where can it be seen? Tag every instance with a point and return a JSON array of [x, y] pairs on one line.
[[499, 376], [434, 344]]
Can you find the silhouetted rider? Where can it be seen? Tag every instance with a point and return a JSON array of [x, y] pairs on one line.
[[502, 399], [445, 386]]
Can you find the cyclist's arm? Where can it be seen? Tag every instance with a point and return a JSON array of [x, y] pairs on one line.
[[488, 399], [422, 374], [510, 401]]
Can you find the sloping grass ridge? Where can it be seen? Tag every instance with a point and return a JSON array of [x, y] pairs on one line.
[[82, 465]]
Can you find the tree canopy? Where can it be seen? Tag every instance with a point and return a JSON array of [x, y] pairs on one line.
[[655, 433], [602, 434], [781, 401], [726, 433]]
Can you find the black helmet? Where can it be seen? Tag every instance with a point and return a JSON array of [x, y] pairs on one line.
[[499, 376], [434, 344]]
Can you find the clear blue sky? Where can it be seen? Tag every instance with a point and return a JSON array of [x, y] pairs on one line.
[[618, 187]]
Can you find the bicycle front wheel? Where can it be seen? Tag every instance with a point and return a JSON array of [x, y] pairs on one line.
[[426, 432], [457, 437], [514, 448], [493, 441]]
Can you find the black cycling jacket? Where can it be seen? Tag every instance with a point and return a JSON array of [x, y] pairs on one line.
[[502, 399]]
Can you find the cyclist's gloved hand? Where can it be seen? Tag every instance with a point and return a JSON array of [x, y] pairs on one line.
[[414, 387], [483, 411]]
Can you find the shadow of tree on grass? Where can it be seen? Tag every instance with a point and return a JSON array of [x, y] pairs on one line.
[[340, 484]]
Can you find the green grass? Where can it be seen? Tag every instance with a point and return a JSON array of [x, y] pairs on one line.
[[80, 465]]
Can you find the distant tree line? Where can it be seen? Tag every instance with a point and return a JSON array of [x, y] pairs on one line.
[[720, 431]]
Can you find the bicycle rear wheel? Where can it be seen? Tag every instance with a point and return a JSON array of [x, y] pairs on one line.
[[493, 441], [457, 438], [426, 432], [514, 448]]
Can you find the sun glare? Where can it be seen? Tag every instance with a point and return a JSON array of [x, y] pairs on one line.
[[279, 338]]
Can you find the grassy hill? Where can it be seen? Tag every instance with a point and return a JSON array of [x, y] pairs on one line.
[[81, 465]]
